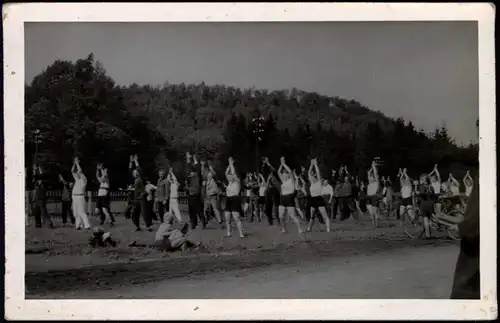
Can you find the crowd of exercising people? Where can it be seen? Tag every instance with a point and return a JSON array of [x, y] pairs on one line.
[[304, 195]]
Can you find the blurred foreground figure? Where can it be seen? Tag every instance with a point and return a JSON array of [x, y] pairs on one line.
[[466, 281], [168, 238], [100, 238]]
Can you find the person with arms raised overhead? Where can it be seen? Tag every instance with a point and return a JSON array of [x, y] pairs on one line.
[[78, 196], [316, 200], [273, 190], [436, 186], [193, 181], [233, 201], [103, 198], [66, 201], [287, 198], [406, 193], [468, 183], [372, 194]]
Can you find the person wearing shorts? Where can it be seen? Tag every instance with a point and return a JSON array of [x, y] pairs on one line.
[[406, 193], [233, 201], [316, 200], [287, 197], [372, 194]]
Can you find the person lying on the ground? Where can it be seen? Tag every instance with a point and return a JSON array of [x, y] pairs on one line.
[[169, 238], [99, 238]]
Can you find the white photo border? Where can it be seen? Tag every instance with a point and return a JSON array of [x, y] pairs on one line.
[[16, 307]]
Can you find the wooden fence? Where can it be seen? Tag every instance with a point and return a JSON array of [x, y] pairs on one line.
[[118, 203]]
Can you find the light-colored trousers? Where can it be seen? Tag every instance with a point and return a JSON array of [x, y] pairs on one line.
[[79, 211], [174, 208]]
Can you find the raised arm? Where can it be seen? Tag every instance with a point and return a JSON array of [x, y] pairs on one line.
[[375, 171], [316, 169], [285, 166], [74, 169], [310, 173], [171, 176], [436, 171], [454, 180], [233, 170]]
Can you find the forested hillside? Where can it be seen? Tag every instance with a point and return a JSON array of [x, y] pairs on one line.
[[79, 109]]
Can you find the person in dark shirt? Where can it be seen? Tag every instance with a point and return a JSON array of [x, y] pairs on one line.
[[139, 197], [66, 201], [194, 183], [273, 191], [425, 195], [39, 208]]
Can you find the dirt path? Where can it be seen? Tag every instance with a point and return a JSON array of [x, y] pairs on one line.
[[424, 272]]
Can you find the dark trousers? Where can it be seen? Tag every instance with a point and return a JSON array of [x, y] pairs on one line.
[[345, 205], [162, 209], [195, 209], [39, 210], [140, 207], [150, 209], [334, 207], [272, 202], [66, 210]]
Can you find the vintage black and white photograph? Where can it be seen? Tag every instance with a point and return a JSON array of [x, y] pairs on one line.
[[253, 160]]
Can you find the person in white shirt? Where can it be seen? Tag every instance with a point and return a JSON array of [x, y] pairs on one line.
[[287, 198], [316, 200], [436, 186], [150, 190], [174, 195], [233, 200], [373, 198], [78, 196], [406, 193], [103, 198], [468, 183]]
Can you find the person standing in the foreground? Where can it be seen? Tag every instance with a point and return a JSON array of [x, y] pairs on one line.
[[78, 196], [466, 280]]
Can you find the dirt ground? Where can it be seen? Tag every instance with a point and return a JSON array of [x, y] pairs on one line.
[[376, 276], [58, 261]]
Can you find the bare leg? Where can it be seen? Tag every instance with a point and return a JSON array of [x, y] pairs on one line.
[[291, 213], [227, 215], [322, 210], [281, 215], [239, 225], [427, 227], [311, 220]]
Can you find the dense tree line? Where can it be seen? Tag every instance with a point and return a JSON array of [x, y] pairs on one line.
[[79, 110]]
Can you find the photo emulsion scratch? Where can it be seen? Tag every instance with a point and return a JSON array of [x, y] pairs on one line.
[[252, 160]]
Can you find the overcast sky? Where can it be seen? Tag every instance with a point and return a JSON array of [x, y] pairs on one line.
[[426, 72]]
